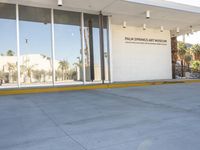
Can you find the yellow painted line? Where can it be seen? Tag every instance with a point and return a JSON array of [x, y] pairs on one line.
[[192, 81], [88, 87], [48, 89]]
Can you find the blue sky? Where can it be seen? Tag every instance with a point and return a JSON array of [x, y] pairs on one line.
[[38, 35], [7, 33]]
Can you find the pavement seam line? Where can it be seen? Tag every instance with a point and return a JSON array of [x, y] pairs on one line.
[[58, 126], [146, 102]]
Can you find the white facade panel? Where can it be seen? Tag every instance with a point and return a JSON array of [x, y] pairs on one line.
[[133, 60]]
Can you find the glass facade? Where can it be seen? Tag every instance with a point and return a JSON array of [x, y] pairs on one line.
[[106, 48], [8, 48], [35, 45], [92, 48], [48, 49], [68, 63]]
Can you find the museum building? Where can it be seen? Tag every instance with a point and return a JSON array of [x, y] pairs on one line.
[[79, 42]]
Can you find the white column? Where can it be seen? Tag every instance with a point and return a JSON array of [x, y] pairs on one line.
[[53, 46], [110, 65], [18, 45], [83, 48]]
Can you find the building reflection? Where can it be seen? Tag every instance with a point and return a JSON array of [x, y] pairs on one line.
[[36, 61]]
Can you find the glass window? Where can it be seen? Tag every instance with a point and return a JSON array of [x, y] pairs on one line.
[[8, 52], [106, 47], [92, 47], [35, 45], [68, 63]]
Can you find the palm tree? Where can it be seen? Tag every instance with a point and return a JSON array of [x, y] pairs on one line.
[[188, 59], [63, 65], [28, 70], [1, 77], [10, 53], [1, 74], [86, 50], [182, 50], [39, 75], [196, 51], [11, 70], [26, 67]]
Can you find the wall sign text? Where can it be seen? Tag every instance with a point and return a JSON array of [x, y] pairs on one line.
[[150, 41]]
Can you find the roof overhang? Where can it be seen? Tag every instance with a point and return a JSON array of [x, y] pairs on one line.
[[163, 12]]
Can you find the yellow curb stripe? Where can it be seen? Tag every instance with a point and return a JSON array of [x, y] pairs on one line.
[[88, 87]]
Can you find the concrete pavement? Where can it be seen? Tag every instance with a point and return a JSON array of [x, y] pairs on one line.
[[136, 118]]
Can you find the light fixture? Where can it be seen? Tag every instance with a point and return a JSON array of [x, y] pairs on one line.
[[148, 14], [124, 24], [177, 30], [60, 2], [161, 28], [144, 26]]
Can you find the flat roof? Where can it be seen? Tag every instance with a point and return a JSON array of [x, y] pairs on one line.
[[168, 13]]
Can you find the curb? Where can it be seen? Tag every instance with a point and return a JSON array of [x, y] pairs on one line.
[[90, 87]]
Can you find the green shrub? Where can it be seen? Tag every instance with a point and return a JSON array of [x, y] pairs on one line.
[[196, 65]]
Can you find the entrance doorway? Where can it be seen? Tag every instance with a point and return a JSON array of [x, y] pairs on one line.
[[95, 34]]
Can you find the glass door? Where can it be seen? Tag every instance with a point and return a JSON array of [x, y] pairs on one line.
[[94, 62]]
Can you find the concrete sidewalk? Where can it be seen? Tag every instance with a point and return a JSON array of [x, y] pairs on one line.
[[165, 117]]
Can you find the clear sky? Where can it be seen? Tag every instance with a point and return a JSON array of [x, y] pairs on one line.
[[7, 33], [192, 38]]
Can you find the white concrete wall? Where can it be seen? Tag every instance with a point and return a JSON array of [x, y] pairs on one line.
[[133, 62]]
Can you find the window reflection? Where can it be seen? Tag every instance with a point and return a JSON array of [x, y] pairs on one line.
[[35, 45], [36, 65], [91, 35], [92, 48], [68, 63], [8, 57], [106, 46]]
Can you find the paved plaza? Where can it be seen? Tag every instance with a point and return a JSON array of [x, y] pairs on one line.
[[163, 117]]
